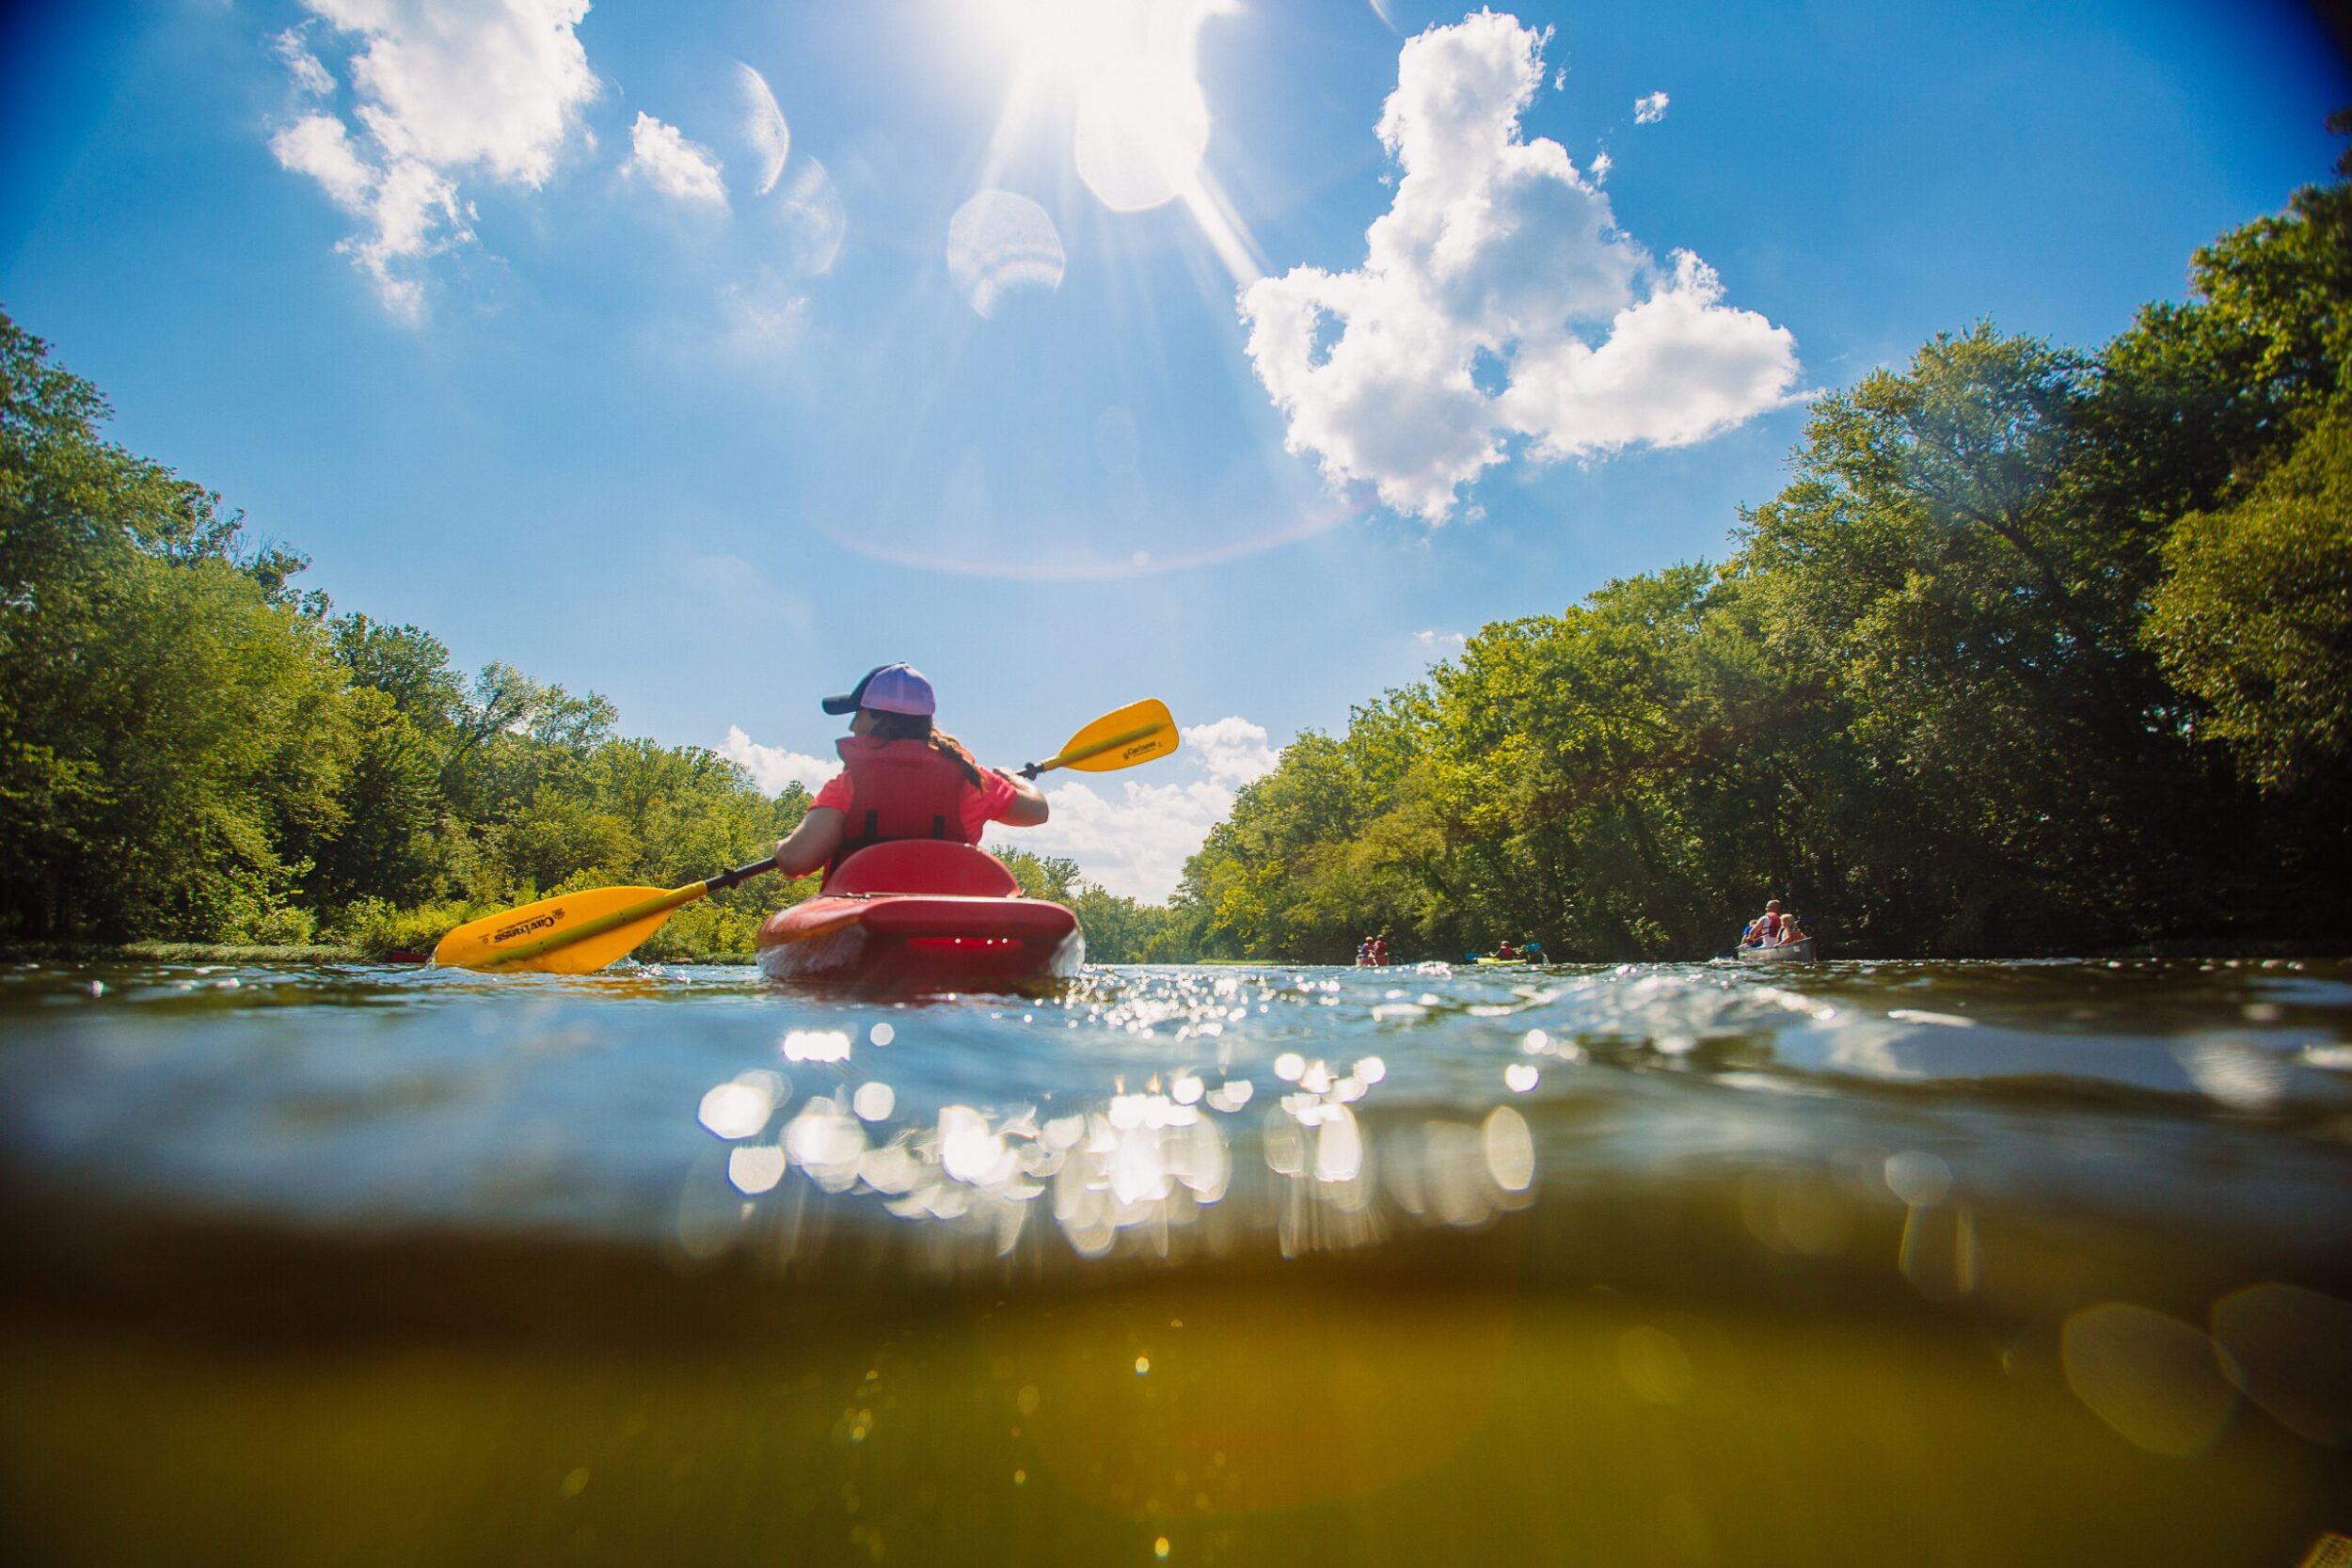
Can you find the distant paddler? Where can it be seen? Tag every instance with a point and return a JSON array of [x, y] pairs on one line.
[[1765, 930], [1773, 936]]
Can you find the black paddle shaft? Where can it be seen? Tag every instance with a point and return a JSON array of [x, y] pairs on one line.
[[740, 874]]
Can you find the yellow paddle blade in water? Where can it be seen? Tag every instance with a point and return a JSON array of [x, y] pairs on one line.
[[572, 933], [1137, 732]]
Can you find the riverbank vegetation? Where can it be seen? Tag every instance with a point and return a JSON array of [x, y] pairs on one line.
[[2038, 649], [192, 750]]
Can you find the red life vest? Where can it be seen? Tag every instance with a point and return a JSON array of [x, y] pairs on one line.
[[898, 789]]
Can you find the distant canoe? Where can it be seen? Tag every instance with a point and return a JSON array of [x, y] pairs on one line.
[[1798, 952]]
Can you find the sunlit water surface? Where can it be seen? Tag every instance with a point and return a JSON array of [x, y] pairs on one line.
[[1680, 1264]]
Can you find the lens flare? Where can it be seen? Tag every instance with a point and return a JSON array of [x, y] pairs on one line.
[[1000, 244]]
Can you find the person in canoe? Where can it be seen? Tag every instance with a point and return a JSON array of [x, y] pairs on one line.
[[1380, 950], [902, 777], [1764, 930]]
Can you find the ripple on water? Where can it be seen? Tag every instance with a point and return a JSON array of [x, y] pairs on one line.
[[1185, 1261], [1220, 1109]]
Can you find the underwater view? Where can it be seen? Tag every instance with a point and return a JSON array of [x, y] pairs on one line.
[[1710, 1263]]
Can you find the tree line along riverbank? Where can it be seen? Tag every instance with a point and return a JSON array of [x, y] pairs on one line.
[[2042, 649], [194, 750]]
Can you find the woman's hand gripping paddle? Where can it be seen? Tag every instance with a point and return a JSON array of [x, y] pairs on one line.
[[575, 933]]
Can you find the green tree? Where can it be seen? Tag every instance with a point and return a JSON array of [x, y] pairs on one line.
[[1119, 930], [410, 666], [1051, 876], [174, 731], [2254, 616], [1934, 565], [387, 841]]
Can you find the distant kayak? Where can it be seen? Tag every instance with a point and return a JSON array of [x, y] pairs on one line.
[[922, 915], [1798, 952]]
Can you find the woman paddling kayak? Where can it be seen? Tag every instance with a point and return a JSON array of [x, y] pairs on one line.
[[908, 897], [909, 904], [902, 777]]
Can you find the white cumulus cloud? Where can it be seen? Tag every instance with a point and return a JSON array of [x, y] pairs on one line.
[[445, 88], [309, 75], [1432, 637], [1649, 108], [1674, 369], [773, 767], [493, 85], [318, 146], [673, 166], [1233, 750], [1130, 836], [1497, 302], [1134, 834]]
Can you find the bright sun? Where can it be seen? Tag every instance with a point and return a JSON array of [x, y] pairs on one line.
[[1069, 37], [1129, 65]]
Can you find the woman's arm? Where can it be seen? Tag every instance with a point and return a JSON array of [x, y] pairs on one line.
[[1028, 807], [813, 842]]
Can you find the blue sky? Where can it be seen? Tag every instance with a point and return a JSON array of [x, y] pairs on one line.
[[1242, 354]]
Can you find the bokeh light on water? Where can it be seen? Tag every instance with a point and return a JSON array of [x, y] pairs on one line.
[[1631, 1264]]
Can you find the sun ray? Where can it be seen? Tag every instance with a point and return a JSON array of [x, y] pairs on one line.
[[1206, 202], [1012, 120]]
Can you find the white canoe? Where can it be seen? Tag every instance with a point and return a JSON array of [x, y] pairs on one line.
[[1798, 952]]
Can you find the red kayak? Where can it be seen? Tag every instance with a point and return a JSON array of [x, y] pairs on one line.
[[923, 915]]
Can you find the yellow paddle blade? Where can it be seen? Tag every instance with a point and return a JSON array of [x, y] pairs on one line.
[[573, 933], [1137, 732]]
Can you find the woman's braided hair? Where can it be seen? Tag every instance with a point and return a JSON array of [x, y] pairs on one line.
[[918, 726]]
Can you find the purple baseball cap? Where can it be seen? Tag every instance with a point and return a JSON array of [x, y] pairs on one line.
[[887, 688]]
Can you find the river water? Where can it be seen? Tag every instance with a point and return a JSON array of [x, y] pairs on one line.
[[1842, 1263]]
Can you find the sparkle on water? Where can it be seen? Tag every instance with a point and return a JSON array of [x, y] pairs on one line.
[[2128, 1183]]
